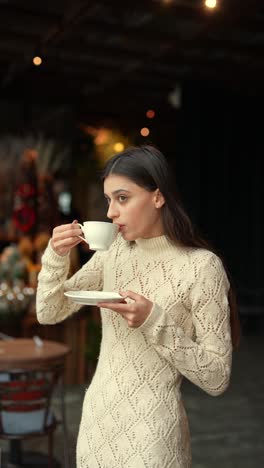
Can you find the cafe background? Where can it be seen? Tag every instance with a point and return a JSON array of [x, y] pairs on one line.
[[79, 84], [58, 127]]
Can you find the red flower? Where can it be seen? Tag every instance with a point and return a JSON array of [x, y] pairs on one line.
[[24, 218]]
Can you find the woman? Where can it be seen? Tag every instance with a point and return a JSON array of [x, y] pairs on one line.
[[174, 321]]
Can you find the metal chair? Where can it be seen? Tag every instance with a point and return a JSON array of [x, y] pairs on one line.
[[25, 412]]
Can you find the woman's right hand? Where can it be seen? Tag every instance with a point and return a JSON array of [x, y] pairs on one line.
[[65, 237]]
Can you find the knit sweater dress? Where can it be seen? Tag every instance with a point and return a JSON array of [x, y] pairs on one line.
[[133, 415]]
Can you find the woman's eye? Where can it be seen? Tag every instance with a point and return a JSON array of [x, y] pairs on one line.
[[122, 198]]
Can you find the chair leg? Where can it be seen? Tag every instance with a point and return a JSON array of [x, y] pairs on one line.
[[64, 428], [15, 453], [50, 450]]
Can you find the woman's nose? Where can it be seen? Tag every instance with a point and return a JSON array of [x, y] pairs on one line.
[[112, 212]]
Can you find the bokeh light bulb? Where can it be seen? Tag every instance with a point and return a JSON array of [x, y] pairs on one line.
[[150, 114], [144, 131], [210, 3], [37, 60], [118, 147]]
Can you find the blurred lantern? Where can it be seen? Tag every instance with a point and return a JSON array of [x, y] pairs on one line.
[[150, 114], [144, 131], [118, 147], [210, 3], [37, 60]]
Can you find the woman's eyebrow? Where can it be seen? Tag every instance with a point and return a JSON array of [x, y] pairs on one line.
[[116, 192]]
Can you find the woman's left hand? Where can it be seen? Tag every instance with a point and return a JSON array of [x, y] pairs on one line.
[[135, 313]]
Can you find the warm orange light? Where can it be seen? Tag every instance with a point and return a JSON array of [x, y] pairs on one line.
[[37, 60], [150, 114], [144, 131], [210, 3], [118, 147]]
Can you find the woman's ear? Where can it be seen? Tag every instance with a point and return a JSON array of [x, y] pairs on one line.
[[159, 199]]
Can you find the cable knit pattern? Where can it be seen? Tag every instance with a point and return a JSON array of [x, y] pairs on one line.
[[133, 416]]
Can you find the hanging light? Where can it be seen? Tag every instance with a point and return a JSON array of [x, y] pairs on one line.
[[37, 60], [210, 3], [150, 114], [118, 147], [144, 131]]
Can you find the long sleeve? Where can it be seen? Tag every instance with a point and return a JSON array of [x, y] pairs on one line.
[[51, 304], [206, 360]]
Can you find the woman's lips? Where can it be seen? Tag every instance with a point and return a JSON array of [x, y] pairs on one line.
[[121, 227]]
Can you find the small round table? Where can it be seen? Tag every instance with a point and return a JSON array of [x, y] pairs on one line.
[[25, 354]]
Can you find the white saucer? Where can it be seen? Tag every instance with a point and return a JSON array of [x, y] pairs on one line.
[[93, 297]]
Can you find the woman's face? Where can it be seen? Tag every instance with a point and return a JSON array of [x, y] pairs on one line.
[[136, 211]]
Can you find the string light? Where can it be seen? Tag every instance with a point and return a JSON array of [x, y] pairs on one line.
[[150, 114], [118, 147], [144, 131], [37, 60], [210, 3]]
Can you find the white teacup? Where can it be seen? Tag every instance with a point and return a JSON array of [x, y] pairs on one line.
[[99, 234]]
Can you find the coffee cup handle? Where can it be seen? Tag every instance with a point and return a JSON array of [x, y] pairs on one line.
[[81, 237]]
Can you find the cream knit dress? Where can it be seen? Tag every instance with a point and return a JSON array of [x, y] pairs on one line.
[[133, 415]]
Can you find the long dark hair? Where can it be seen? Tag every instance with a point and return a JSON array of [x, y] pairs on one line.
[[148, 168]]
